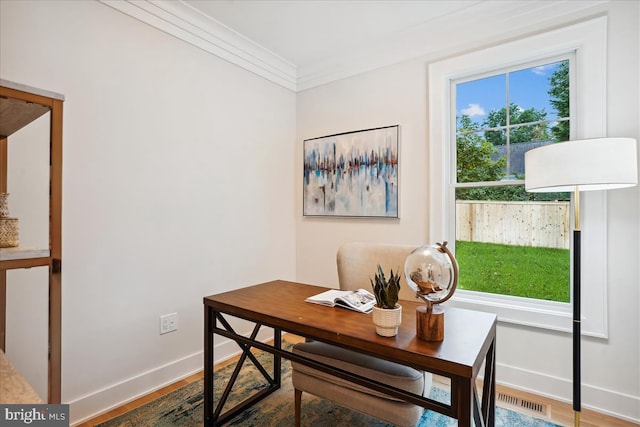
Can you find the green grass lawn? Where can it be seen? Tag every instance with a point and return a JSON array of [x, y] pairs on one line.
[[540, 273]]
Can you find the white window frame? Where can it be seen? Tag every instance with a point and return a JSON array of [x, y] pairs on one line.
[[588, 42]]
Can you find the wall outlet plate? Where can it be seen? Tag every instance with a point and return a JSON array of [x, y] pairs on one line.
[[168, 323]]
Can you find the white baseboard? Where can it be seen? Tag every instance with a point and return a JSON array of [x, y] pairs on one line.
[[100, 401], [596, 398], [605, 401]]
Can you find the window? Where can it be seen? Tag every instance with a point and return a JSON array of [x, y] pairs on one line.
[[508, 241], [581, 47]]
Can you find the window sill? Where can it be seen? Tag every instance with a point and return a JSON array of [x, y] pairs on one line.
[[550, 315]]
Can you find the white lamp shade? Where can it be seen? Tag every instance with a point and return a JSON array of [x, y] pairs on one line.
[[588, 164]]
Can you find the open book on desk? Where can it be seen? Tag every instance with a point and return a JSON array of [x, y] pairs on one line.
[[360, 300]]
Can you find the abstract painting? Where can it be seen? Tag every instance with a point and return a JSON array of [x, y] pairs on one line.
[[353, 174]]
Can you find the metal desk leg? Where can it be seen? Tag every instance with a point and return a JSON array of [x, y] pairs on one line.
[[209, 321]]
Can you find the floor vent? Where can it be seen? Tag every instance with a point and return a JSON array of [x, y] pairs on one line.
[[524, 404]]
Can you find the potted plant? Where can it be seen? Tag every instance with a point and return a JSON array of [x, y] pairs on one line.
[[387, 313]]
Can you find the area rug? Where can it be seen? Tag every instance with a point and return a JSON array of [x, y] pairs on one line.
[[184, 407]]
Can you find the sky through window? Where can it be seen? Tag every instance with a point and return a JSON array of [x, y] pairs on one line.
[[528, 88]]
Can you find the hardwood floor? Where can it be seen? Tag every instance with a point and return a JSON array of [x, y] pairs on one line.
[[541, 407]]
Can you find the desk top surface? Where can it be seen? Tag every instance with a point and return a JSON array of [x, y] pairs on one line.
[[468, 334]]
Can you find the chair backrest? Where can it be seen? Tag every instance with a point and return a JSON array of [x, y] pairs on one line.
[[358, 263]]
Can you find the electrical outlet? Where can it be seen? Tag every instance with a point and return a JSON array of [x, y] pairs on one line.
[[168, 323]]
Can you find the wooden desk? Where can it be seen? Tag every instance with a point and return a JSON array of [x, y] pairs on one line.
[[469, 342]]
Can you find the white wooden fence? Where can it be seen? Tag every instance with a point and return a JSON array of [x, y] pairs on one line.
[[543, 224]]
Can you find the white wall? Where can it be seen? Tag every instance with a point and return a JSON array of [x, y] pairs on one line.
[[177, 184], [390, 96], [530, 359]]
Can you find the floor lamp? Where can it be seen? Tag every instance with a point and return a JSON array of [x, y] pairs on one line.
[[575, 166]]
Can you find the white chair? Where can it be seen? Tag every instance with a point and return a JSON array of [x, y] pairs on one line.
[[357, 263]]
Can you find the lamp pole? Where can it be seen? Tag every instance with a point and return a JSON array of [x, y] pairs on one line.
[[576, 308]]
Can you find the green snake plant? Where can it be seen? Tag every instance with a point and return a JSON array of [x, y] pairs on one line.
[[386, 291]]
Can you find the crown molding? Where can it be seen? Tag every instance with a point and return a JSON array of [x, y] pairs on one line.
[[438, 38], [188, 24], [477, 26]]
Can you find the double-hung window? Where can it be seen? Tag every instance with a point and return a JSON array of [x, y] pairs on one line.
[[508, 241], [487, 108]]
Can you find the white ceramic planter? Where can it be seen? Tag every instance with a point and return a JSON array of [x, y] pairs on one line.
[[387, 320]]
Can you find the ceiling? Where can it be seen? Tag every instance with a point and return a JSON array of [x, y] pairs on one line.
[[300, 44], [308, 32]]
